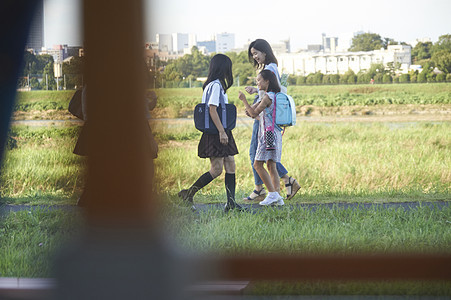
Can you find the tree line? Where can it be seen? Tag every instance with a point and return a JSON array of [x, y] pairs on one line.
[[38, 72], [176, 73], [184, 71]]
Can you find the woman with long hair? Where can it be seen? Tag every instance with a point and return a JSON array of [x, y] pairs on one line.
[[262, 57]]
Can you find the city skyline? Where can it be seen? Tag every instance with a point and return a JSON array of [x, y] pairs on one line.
[[303, 23]]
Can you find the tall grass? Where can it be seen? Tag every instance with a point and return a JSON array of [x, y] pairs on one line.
[[175, 103], [43, 100], [385, 94], [331, 161], [30, 240], [346, 160], [322, 231], [42, 167]]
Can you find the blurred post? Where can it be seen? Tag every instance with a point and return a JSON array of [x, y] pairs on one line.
[[121, 255]]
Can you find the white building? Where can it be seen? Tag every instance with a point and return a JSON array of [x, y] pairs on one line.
[[179, 42], [164, 42], [304, 63], [280, 48], [225, 42], [182, 41]]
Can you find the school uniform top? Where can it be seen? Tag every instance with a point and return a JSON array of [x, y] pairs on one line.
[[273, 68], [216, 90], [209, 144]]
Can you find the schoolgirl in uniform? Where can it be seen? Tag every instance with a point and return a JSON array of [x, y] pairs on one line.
[[267, 83], [262, 57], [219, 148]]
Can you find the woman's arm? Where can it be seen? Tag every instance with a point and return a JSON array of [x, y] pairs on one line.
[[223, 138], [256, 108], [251, 90]]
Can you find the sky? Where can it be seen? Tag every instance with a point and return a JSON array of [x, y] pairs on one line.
[[301, 21]]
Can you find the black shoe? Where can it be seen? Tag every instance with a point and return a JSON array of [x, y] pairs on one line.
[[232, 205], [184, 195]]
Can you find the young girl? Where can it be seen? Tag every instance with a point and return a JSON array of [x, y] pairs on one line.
[[267, 83], [262, 57], [221, 147]]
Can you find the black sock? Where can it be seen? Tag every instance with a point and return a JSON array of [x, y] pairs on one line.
[[200, 183], [230, 188]]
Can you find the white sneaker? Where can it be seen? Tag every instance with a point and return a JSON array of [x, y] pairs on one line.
[[272, 198]]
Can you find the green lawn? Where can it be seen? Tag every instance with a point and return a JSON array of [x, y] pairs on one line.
[[369, 162], [365, 162], [322, 99]]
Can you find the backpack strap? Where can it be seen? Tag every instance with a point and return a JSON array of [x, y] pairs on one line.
[[221, 103], [274, 110], [274, 114]]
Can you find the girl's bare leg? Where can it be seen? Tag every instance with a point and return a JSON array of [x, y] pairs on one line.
[[274, 175], [264, 175]]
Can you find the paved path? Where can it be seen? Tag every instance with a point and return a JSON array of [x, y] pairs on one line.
[[5, 209]]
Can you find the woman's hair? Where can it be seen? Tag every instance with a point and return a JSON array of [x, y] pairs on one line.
[[262, 46], [273, 83], [220, 68]]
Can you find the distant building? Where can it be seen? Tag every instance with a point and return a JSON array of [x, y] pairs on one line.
[[283, 47], [35, 38], [225, 42], [179, 42], [59, 52], [313, 48], [151, 45], [304, 63], [165, 42], [74, 51], [424, 40], [210, 46], [182, 41], [329, 43]]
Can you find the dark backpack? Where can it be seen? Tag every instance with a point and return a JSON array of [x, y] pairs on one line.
[[75, 104]]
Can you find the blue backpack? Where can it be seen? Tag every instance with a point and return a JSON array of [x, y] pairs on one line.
[[284, 112]]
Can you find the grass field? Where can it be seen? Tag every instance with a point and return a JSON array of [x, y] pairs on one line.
[[342, 99], [333, 161]]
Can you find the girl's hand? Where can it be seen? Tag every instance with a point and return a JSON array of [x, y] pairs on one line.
[[241, 96], [223, 138], [251, 90]]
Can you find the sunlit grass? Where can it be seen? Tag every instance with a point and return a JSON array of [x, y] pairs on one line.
[[332, 162]]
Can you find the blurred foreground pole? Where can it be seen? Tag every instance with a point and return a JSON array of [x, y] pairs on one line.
[[121, 255], [15, 20], [119, 172]]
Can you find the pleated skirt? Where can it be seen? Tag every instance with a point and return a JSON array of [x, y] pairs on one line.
[[210, 146]]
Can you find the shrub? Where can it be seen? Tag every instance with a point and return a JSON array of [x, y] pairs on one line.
[[440, 77], [300, 80], [421, 77], [404, 78], [387, 78]]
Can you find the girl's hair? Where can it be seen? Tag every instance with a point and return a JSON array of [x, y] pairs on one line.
[[262, 46], [220, 68], [273, 83]]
